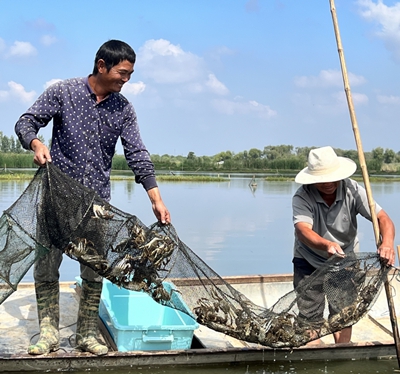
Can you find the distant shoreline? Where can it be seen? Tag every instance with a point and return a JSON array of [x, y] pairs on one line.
[[28, 175]]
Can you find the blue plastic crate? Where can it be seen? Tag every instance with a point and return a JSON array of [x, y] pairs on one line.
[[136, 322]]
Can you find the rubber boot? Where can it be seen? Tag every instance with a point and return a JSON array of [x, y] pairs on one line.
[[47, 298], [86, 329]]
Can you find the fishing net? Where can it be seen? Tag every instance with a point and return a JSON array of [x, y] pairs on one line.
[[58, 213]]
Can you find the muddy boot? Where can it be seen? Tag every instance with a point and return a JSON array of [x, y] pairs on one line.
[[86, 329], [47, 298]]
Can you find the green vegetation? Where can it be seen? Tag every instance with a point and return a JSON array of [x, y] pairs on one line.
[[171, 178], [190, 178], [280, 160], [14, 176]]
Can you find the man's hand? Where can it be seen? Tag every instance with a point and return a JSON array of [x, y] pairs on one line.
[[160, 210], [386, 253], [334, 249], [387, 231], [42, 153]]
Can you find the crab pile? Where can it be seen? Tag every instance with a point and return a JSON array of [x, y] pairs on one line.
[[134, 263], [271, 329]]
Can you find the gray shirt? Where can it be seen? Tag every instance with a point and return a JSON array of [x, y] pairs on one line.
[[336, 223]]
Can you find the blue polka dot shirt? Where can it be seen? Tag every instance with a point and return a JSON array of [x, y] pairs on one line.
[[85, 134]]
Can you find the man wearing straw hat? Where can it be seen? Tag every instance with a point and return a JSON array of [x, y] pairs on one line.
[[325, 210]]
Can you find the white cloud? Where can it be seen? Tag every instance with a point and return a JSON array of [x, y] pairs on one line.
[[216, 86], [328, 78], [18, 49], [387, 19], [17, 91], [167, 63], [22, 49], [133, 88], [48, 40], [244, 107], [51, 82], [189, 80], [391, 100]]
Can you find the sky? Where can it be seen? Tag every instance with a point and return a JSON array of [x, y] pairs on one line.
[[218, 75]]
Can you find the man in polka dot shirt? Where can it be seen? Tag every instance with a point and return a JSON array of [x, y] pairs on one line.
[[89, 115]]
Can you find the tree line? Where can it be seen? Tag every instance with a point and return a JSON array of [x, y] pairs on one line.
[[271, 158]]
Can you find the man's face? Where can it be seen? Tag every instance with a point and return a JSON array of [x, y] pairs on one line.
[[114, 79], [327, 188]]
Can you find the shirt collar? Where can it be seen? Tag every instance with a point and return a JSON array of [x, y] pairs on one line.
[[91, 93]]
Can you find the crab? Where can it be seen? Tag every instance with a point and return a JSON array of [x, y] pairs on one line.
[[80, 248], [158, 250], [122, 246], [138, 235], [100, 211], [225, 307], [83, 249], [122, 267], [160, 293], [282, 328], [342, 319]]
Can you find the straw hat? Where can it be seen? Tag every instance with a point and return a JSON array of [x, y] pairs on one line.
[[325, 166]]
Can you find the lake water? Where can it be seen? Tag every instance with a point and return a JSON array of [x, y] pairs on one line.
[[236, 231]]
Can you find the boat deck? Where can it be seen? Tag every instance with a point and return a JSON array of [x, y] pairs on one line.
[[372, 336], [19, 321]]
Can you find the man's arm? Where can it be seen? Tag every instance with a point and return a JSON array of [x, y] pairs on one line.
[[387, 232], [159, 209], [311, 239], [37, 117]]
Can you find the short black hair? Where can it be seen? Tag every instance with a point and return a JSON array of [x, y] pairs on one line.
[[113, 52]]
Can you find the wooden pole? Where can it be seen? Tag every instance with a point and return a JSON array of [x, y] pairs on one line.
[[364, 170]]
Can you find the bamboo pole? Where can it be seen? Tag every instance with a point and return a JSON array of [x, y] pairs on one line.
[[364, 170]]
